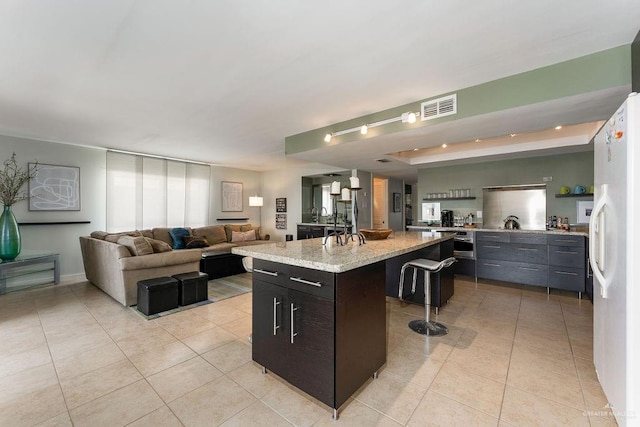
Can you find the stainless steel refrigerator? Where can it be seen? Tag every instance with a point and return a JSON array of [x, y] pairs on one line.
[[614, 255]]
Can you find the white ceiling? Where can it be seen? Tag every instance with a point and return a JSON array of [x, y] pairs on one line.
[[226, 81]]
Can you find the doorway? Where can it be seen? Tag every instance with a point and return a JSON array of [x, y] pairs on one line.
[[380, 203]]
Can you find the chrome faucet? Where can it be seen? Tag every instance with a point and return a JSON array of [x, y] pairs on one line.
[[314, 214]]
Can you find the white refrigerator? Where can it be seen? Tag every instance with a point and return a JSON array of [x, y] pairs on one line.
[[614, 255]]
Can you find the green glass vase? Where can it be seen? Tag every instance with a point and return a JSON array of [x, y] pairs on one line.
[[9, 235]]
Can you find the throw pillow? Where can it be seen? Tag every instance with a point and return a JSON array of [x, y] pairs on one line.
[[192, 242], [230, 228], [136, 245], [243, 236], [158, 246], [99, 234], [177, 236]]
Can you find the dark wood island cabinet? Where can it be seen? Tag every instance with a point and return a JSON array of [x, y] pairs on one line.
[[319, 311]]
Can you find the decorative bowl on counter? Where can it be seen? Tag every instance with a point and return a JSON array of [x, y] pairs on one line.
[[375, 233]]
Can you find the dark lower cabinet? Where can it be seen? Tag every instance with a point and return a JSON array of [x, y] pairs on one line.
[[324, 333], [555, 261]]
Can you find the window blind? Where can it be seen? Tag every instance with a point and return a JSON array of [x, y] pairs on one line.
[[146, 192]]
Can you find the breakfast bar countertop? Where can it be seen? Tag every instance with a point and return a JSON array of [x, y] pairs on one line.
[[311, 253]]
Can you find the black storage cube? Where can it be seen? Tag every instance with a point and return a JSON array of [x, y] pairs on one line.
[[192, 287], [157, 295]]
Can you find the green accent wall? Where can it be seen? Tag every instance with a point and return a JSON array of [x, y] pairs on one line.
[[601, 70], [635, 64], [565, 169]]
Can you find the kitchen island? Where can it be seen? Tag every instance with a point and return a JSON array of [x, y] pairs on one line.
[[319, 311]]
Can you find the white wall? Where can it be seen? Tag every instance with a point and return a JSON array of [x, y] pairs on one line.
[[63, 238], [286, 183], [251, 186]]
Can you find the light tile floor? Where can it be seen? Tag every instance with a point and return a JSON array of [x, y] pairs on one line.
[[70, 355]]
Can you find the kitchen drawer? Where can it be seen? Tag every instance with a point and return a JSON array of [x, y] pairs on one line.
[[528, 238], [492, 237], [492, 250], [571, 279], [560, 240], [533, 254], [516, 272], [314, 282], [569, 256], [271, 272]]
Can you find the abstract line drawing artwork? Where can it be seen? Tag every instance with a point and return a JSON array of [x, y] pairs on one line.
[[231, 196], [55, 188]]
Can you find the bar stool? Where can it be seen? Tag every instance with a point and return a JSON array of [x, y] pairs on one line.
[[425, 326]]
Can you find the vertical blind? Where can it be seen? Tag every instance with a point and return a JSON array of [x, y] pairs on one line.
[[146, 192]]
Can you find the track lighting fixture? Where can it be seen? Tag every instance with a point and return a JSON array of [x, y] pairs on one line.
[[408, 117]]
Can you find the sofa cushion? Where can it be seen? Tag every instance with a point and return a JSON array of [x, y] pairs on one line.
[[136, 245], [159, 246], [212, 233], [192, 242], [162, 233], [177, 236], [114, 237], [220, 247], [99, 234], [243, 236], [146, 233]]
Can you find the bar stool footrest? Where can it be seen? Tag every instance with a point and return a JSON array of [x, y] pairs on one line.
[[432, 329]]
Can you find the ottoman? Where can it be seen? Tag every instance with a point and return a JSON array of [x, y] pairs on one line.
[[157, 295], [192, 287]]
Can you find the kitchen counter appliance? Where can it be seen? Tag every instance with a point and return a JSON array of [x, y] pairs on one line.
[[463, 244], [446, 218]]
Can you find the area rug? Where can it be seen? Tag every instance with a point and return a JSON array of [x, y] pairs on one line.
[[218, 289], [230, 286]]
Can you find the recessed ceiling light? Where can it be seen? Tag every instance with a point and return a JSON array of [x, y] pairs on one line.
[[327, 137], [415, 149], [444, 145], [478, 140], [512, 135], [364, 129], [558, 127]]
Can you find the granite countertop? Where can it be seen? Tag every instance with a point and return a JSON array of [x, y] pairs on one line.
[[499, 230], [310, 253]]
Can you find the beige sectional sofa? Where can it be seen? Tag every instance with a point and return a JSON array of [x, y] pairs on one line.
[[115, 262]]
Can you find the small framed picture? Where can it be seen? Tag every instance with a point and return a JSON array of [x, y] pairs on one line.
[[584, 211], [397, 202]]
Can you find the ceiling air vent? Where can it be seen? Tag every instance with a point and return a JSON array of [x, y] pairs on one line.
[[383, 160], [440, 107]]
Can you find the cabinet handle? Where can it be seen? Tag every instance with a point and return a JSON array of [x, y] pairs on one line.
[[528, 269], [491, 246], [270, 273], [528, 249], [293, 310], [566, 241], [306, 282], [567, 252], [568, 273], [276, 303], [491, 265]]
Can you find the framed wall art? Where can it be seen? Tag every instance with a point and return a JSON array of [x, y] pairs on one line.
[[281, 204], [231, 196], [54, 188], [281, 221], [397, 202]]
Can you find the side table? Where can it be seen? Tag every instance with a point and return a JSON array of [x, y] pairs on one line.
[[26, 259]]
